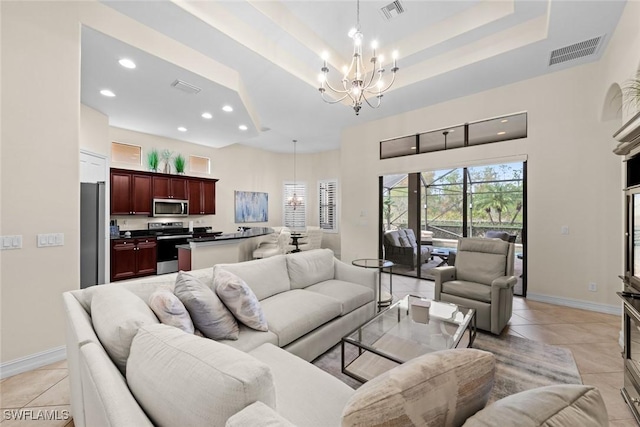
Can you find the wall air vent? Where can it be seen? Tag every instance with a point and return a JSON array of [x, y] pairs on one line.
[[392, 10], [186, 87], [575, 51]]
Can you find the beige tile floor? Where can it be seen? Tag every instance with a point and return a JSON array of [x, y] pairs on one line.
[[591, 337]]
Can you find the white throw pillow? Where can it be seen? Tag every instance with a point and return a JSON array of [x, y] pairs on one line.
[[170, 310], [240, 300], [208, 313], [183, 380], [117, 314]]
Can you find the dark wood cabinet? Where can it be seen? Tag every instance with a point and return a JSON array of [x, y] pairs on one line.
[[133, 258], [169, 188], [130, 193], [202, 197]]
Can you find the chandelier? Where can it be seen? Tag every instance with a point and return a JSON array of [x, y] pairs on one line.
[[358, 83], [294, 200]]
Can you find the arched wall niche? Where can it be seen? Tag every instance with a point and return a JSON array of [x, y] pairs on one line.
[[612, 105]]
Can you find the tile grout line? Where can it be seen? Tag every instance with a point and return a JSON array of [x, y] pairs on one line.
[[53, 385]]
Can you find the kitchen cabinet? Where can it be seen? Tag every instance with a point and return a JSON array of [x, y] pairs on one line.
[[133, 258], [130, 193], [202, 197], [165, 187]]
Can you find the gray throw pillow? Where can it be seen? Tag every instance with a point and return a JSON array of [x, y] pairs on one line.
[[208, 313], [240, 300], [117, 314], [170, 310]]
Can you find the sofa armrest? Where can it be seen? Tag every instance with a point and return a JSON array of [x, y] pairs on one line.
[[441, 275], [258, 414], [504, 282], [350, 273]]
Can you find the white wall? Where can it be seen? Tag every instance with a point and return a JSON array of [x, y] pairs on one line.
[[573, 176]]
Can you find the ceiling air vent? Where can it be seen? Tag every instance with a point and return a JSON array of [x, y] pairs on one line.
[[186, 87], [575, 51], [392, 10]]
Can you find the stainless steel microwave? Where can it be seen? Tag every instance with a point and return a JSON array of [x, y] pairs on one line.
[[170, 207]]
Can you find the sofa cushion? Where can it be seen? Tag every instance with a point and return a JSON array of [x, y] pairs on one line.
[[292, 314], [437, 389], [208, 313], [170, 310], [248, 339], [116, 315], [310, 267], [184, 380], [350, 295], [556, 405], [265, 277], [307, 395], [258, 414], [393, 237], [469, 290], [239, 299]]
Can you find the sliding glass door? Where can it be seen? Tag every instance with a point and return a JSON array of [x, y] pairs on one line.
[[439, 207]]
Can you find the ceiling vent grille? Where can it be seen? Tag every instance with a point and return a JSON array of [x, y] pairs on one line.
[[186, 87], [392, 10], [575, 51]]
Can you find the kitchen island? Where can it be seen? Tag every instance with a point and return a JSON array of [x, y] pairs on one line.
[[206, 251]]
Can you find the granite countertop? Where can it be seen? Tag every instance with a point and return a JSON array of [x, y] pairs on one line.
[[252, 232]]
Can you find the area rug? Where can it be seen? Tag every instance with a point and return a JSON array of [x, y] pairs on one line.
[[521, 364]]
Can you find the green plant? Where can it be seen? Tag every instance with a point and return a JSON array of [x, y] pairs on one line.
[[631, 92], [179, 162], [153, 159]]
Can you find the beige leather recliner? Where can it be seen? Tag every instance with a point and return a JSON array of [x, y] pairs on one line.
[[482, 278]]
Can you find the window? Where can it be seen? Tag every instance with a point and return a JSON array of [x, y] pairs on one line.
[[295, 216], [327, 205], [125, 153], [199, 164]]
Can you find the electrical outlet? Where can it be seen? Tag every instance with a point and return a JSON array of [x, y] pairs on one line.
[[564, 229], [593, 287]]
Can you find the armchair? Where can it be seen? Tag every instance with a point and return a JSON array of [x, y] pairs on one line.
[[482, 278], [400, 246]]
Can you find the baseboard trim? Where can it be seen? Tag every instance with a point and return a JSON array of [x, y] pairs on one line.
[[33, 361], [576, 303]]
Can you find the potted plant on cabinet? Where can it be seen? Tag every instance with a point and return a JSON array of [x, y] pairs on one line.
[[153, 159], [179, 162], [166, 156]]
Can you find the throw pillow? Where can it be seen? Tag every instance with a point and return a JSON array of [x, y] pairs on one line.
[[208, 313], [240, 300], [443, 388], [555, 405], [170, 310], [182, 380], [117, 314]]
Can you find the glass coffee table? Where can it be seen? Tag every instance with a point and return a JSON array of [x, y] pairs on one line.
[[409, 328]]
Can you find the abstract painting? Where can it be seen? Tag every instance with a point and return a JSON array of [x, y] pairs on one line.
[[251, 206]]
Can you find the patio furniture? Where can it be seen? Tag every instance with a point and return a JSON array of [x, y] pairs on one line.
[[400, 246], [503, 235], [482, 279]]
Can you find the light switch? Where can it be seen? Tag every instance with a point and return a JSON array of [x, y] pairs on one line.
[[59, 239], [11, 242], [51, 240], [6, 242], [42, 240]]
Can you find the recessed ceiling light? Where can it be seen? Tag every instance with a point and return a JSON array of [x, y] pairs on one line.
[[207, 116], [501, 133], [412, 148], [227, 108], [504, 121], [107, 92], [127, 63], [243, 127], [182, 129]]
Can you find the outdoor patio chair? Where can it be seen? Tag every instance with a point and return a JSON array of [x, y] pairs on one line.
[[400, 246], [482, 278]]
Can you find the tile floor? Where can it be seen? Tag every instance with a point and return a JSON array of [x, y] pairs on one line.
[[591, 337]]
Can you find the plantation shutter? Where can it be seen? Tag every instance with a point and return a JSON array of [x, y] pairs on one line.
[[295, 217], [327, 205]]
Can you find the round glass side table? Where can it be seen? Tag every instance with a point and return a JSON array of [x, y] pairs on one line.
[[384, 298]]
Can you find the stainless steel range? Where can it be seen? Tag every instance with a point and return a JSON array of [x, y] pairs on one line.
[[168, 236]]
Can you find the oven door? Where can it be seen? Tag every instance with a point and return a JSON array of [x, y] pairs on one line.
[[167, 251]]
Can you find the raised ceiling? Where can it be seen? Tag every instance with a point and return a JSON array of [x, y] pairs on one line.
[[448, 49]]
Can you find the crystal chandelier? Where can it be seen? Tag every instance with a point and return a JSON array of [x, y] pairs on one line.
[[358, 82], [294, 200]]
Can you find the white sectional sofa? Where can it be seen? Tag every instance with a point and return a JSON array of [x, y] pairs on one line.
[[310, 300]]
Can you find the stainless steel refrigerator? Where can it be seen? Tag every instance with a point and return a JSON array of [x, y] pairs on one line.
[[92, 234]]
